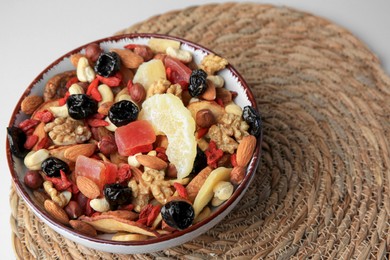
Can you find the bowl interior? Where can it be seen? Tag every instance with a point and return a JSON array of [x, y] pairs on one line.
[[233, 81]]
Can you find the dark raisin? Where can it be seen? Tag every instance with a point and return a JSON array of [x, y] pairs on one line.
[[123, 112], [198, 82], [252, 117], [107, 64], [178, 214], [200, 161], [117, 195], [52, 167], [81, 106], [16, 139]]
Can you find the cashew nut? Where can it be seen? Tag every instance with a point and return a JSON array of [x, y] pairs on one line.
[[217, 80], [124, 97], [215, 202], [100, 205], [67, 195], [85, 73], [182, 55], [61, 111], [111, 127], [233, 108], [34, 159], [106, 93], [124, 91], [223, 190], [132, 160], [75, 89]]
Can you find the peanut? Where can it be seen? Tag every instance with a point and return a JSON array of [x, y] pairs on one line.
[[73, 210], [34, 159]]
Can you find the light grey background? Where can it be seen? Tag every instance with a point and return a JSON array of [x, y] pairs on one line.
[[35, 33]]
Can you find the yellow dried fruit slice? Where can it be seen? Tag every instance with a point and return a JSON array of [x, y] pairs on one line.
[[149, 72], [167, 114]]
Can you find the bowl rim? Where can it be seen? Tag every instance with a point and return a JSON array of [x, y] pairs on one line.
[[253, 165]]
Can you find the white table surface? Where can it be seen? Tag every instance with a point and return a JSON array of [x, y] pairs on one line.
[[35, 33]]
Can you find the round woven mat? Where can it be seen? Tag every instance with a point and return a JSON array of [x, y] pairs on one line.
[[322, 190]]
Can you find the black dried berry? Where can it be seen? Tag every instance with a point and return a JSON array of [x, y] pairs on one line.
[[123, 112], [200, 161], [178, 214], [81, 106], [198, 82], [107, 64], [16, 139], [252, 117], [117, 195], [52, 167]]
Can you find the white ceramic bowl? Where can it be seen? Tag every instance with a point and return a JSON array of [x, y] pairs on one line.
[[233, 81]]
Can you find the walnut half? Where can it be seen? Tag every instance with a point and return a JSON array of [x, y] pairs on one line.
[[66, 131]]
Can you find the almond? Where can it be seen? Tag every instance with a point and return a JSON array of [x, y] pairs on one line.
[[210, 93], [105, 107], [237, 175], [129, 59], [245, 150], [56, 211], [41, 133], [124, 214], [152, 162], [88, 187], [30, 104], [74, 151], [83, 227]]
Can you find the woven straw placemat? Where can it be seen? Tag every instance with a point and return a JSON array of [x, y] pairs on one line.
[[322, 190]]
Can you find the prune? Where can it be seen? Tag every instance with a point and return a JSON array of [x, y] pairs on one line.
[[198, 82], [117, 195], [81, 106], [107, 64], [16, 139], [200, 161], [123, 112], [178, 214], [52, 167], [252, 117]]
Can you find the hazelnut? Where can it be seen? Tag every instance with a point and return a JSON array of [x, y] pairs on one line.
[[137, 93], [205, 118], [92, 51], [73, 210], [33, 180], [144, 51]]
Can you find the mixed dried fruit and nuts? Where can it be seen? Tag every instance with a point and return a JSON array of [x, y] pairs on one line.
[[139, 141]]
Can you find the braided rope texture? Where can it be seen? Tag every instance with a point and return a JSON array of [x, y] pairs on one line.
[[322, 189]]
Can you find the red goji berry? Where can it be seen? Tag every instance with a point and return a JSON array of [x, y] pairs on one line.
[[28, 124], [61, 183], [94, 84], [44, 116], [30, 141], [95, 94], [202, 132], [181, 190], [142, 221], [112, 81], [213, 154], [43, 143], [62, 101], [71, 81], [153, 215], [145, 211], [124, 173]]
